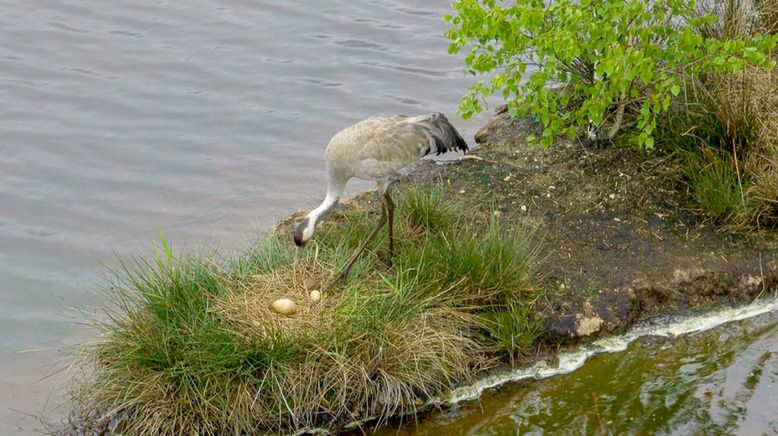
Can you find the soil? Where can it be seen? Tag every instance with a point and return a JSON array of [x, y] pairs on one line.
[[616, 241]]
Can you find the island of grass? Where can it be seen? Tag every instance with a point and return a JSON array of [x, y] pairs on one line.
[[503, 257], [194, 347]]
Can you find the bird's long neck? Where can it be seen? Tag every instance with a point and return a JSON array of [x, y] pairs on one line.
[[330, 200], [308, 225]]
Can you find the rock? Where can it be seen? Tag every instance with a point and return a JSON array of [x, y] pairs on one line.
[[284, 306], [588, 325]]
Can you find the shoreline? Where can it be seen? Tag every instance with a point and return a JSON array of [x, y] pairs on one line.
[[689, 265], [616, 249], [693, 278]]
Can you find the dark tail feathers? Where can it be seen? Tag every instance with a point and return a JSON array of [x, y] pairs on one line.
[[446, 136]]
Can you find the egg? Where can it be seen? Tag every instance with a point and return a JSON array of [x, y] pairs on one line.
[[315, 296], [284, 306]]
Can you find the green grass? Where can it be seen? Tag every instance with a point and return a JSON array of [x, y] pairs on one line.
[[427, 210], [192, 346], [726, 127], [714, 184]]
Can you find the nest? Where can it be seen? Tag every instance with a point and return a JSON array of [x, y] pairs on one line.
[[247, 308]]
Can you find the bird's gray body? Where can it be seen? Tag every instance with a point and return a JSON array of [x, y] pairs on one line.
[[377, 149]]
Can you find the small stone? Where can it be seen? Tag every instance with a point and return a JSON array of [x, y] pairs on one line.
[[462, 191], [506, 178], [588, 325], [315, 296], [523, 208]]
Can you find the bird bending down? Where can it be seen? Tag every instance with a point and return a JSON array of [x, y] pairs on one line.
[[376, 149]]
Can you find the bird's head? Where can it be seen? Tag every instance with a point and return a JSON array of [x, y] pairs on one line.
[[303, 232]]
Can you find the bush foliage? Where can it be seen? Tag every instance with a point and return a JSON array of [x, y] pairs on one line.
[[617, 63]]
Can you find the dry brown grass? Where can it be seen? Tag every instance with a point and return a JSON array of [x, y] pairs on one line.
[[377, 371], [247, 310], [737, 115]]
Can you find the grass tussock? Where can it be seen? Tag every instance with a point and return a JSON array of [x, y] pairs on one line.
[[193, 346], [713, 183], [728, 126], [426, 210]]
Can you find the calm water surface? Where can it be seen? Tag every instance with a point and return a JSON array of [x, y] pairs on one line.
[[204, 119]]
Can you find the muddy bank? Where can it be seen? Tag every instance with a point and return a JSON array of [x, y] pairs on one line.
[[617, 244], [620, 245]]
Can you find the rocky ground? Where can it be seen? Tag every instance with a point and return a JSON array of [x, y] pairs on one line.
[[617, 244]]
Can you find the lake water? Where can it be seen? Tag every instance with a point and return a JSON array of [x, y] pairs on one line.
[[206, 120]]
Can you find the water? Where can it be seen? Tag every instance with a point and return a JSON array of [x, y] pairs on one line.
[[650, 381], [204, 119]]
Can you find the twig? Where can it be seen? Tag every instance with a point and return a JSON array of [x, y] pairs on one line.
[[480, 159], [761, 273], [619, 115]]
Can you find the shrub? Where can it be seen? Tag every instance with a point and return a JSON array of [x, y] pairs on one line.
[[599, 65]]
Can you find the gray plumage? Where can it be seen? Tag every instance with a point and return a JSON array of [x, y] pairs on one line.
[[377, 149]]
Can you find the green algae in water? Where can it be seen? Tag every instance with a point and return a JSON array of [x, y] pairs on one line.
[[720, 381]]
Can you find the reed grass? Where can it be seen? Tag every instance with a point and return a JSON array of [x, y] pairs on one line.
[[193, 347], [727, 125]]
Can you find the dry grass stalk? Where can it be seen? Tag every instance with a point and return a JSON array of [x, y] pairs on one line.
[[247, 308]]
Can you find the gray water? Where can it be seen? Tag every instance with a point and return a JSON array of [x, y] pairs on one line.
[[204, 119]]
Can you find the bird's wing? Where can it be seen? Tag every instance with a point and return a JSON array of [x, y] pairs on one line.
[[378, 147], [385, 143]]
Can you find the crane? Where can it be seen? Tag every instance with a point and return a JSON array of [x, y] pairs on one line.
[[376, 149]]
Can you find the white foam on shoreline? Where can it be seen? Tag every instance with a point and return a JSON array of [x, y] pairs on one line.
[[570, 361]]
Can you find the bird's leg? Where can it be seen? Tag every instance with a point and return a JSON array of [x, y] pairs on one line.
[[390, 212], [344, 272]]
